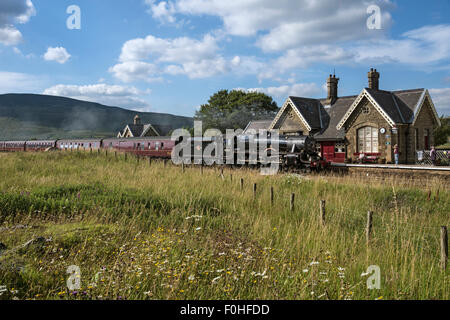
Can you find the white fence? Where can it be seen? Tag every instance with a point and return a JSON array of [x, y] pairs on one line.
[[424, 158]]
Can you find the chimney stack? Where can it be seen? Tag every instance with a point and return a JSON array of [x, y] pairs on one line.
[[332, 84], [374, 79], [137, 120]]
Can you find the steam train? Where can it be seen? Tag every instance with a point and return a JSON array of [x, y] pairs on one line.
[[288, 151]]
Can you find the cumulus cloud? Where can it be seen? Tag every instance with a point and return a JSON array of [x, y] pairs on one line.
[[163, 11], [283, 24], [441, 99], [58, 54], [191, 57], [14, 12], [423, 46], [113, 95], [131, 71], [296, 89]]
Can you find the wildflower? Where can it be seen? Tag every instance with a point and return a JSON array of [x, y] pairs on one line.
[[191, 278], [314, 263], [198, 229], [216, 279], [305, 270], [379, 298]]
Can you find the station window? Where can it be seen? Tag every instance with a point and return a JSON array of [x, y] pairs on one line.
[[368, 140]]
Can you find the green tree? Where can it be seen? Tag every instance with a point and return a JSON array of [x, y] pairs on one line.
[[441, 134], [235, 109]]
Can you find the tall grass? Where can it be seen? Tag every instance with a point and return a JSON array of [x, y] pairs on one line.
[[152, 232]]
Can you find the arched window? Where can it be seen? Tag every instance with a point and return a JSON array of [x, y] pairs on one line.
[[368, 140]]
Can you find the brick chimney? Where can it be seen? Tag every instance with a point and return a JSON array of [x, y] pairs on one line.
[[332, 84], [374, 79]]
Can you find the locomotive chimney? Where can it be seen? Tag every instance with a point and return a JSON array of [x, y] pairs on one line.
[[137, 120], [374, 79], [332, 85]]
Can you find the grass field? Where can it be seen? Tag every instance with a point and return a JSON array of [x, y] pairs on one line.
[[140, 231]]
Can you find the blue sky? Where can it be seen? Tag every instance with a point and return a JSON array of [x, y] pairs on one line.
[[170, 56]]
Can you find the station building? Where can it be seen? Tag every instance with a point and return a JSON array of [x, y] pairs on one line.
[[368, 124]]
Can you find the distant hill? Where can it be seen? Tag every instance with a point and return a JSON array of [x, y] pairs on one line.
[[31, 116]]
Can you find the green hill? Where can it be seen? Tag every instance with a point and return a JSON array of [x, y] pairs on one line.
[[31, 116]]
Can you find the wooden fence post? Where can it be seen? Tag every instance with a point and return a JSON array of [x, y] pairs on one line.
[[292, 201], [115, 155], [242, 184], [429, 195], [201, 169], [231, 177], [126, 156], [271, 196], [182, 167], [254, 190], [322, 211], [165, 164], [444, 247], [369, 226]]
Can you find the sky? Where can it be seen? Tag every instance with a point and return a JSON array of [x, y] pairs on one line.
[[171, 56]]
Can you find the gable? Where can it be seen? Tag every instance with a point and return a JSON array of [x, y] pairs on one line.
[[366, 113], [367, 96], [290, 113], [425, 115], [127, 133], [426, 103]]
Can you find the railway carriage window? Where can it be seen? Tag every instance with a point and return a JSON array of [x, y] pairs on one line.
[[143, 147], [162, 145], [156, 145], [368, 140], [149, 146]]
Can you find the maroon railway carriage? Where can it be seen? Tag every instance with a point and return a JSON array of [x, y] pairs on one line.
[[2, 146], [39, 145], [79, 144], [160, 147], [14, 146]]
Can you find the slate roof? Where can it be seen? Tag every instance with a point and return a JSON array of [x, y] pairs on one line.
[[258, 125], [310, 109], [333, 114]]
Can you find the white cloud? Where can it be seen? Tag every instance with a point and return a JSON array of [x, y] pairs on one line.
[[191, 57], [296, 89], [14, 82], [131, 71], [20, 53], [177, 50], [163, 11], [11, 13], [283, 24], [426, 45], [441, 99], [58, 54], [113, 95], [10, 36]]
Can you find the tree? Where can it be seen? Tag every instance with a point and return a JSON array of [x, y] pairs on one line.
[[442, 133], [235, 109]]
